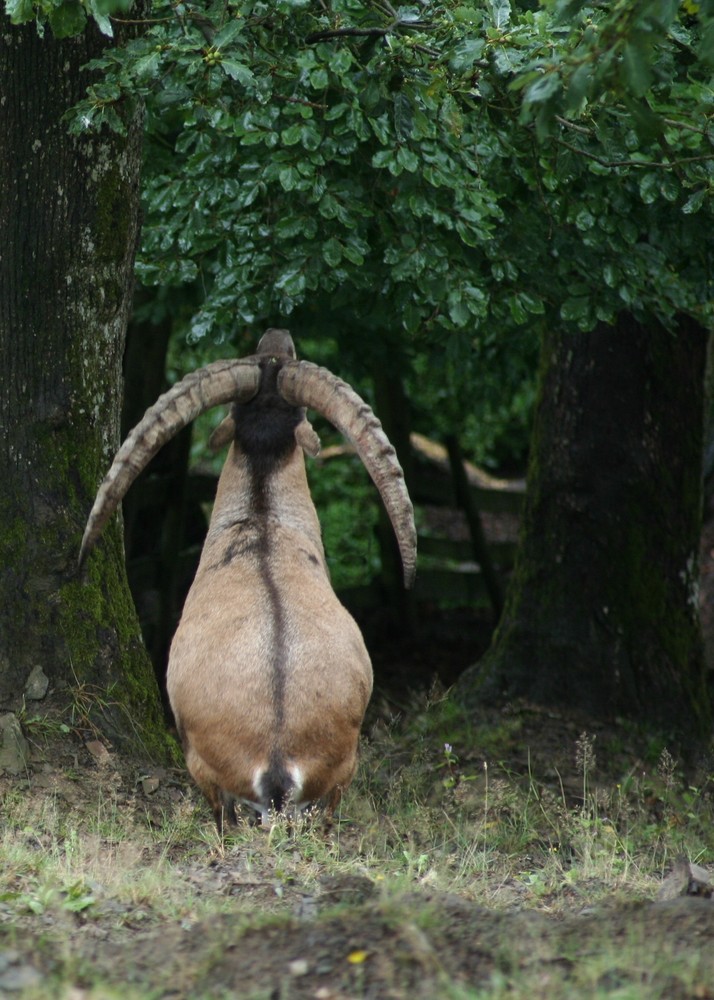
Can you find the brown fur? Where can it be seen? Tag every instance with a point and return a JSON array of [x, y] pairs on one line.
[[221, 680]]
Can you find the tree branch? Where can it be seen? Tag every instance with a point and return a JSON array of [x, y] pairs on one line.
[[321, 36], [298, 100], [611, 164], [375, 32], [571, 125]]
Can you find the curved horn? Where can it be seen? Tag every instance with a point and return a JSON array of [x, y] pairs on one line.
[[219, 382], [304, 384]]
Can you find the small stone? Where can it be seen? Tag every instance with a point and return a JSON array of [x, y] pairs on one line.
[[37, 684], [8, 957], [14, 748], [150, 785], [24, 977], [298, 967], [700, 881], [686, 879], [98, 751]]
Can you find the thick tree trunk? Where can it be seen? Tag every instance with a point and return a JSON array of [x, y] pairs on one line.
[[164, 528], [602, 611], [68, 231]]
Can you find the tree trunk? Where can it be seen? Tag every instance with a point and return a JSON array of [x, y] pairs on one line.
[[164, 528], [68, 232], [602, 611]]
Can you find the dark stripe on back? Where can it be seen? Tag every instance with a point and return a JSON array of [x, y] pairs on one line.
[[278, 664], [265, 433]]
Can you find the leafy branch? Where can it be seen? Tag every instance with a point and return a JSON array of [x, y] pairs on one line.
[[397, 24], [613, 164]]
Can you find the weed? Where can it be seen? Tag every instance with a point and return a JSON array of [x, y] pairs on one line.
[[585, 761]]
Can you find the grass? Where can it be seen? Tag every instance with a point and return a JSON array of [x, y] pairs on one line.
[[432, 823]]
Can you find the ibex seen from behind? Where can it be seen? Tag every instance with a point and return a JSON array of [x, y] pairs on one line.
[[268, 675]]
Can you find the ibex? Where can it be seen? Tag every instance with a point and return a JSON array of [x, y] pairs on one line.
[[268, 675]]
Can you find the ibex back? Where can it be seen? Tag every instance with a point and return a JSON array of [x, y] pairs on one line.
[[268, 675]]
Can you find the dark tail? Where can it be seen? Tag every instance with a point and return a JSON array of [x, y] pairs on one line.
[[276, 785]]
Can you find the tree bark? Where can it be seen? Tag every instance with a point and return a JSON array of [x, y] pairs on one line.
[[602, 611], [68, 233], [161, 524]]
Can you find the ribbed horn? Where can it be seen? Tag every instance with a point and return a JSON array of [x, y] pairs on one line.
[[236, 380], [302, 383]]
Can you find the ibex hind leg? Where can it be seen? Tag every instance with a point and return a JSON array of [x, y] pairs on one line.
[[330, 804], [223, 808], [228, 811], [222, 803]]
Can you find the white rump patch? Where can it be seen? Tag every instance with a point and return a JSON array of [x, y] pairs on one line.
[[298, 781], [293, 802]]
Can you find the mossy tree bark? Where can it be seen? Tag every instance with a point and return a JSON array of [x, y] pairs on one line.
[[602, 610], [68, 232]]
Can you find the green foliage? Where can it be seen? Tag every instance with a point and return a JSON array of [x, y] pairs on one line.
[[325, 173], [67, 18], [440, 181], [347, 504], [446, 171]]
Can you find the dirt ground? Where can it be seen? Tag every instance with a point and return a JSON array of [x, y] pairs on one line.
[[463, 945], [343, 936]]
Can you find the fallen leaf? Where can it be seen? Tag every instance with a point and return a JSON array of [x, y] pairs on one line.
[[357, 957]]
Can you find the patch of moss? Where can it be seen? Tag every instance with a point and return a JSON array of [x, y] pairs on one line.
[[113, 219]]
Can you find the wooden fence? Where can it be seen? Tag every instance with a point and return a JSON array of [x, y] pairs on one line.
[[468, 527]]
